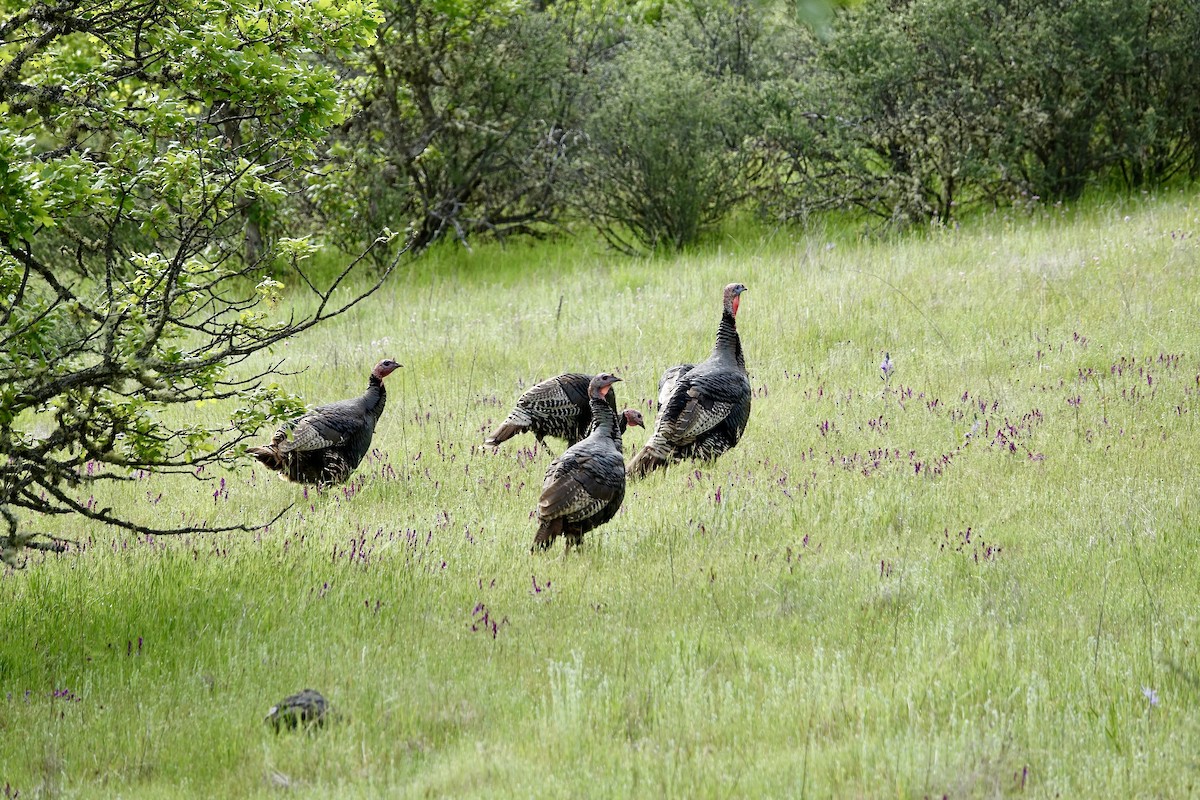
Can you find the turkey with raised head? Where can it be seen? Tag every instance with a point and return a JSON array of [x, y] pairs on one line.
[[585, 485], [326, 445], [703, 408], [559, 407]]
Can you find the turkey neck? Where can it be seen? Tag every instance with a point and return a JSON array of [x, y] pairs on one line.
[[376, 396], [729, 344], [604, 418]]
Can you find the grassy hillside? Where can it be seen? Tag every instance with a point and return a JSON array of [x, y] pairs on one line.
[[977, 578]]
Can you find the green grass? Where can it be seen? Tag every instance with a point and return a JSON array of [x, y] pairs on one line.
[[809, 616]]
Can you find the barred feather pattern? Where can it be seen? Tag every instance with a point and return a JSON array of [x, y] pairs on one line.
[[584, 487], [557, 407], [703, 408]]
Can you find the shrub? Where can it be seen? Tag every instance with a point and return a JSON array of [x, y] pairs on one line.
[[916, 110], [462, 110], [663, 158]]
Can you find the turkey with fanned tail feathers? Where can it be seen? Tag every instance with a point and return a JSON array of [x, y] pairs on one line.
[[703, 408], [326, 445]]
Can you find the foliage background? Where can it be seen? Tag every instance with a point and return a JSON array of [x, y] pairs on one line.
[[656, 122]]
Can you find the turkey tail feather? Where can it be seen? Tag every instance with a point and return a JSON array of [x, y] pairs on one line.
[[269, 457], [548, 530], [504, 433], [656, 453], [518, 421]]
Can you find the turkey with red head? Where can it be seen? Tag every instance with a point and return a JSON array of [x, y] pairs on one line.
[[326, 445], [585, 485], [559, 407], [703, 408]]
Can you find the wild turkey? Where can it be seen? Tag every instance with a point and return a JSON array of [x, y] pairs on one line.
[[630, 418], [327, 443], [559, 407], [307, 709], [585, 485], [703, 408]]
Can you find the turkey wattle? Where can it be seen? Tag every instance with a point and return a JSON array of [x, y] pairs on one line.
[[559, 407], [703, 408], [327, 444], [585, 485]]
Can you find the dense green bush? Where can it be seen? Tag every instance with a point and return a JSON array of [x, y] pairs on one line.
[[1152, 108], [916, 110], [462, 114], [897, 114], [653, 120], [664, 157]]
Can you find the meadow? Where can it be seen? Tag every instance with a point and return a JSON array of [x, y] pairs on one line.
[[977, 577]]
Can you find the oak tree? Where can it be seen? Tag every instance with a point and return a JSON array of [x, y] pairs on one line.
[[145, 150]]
